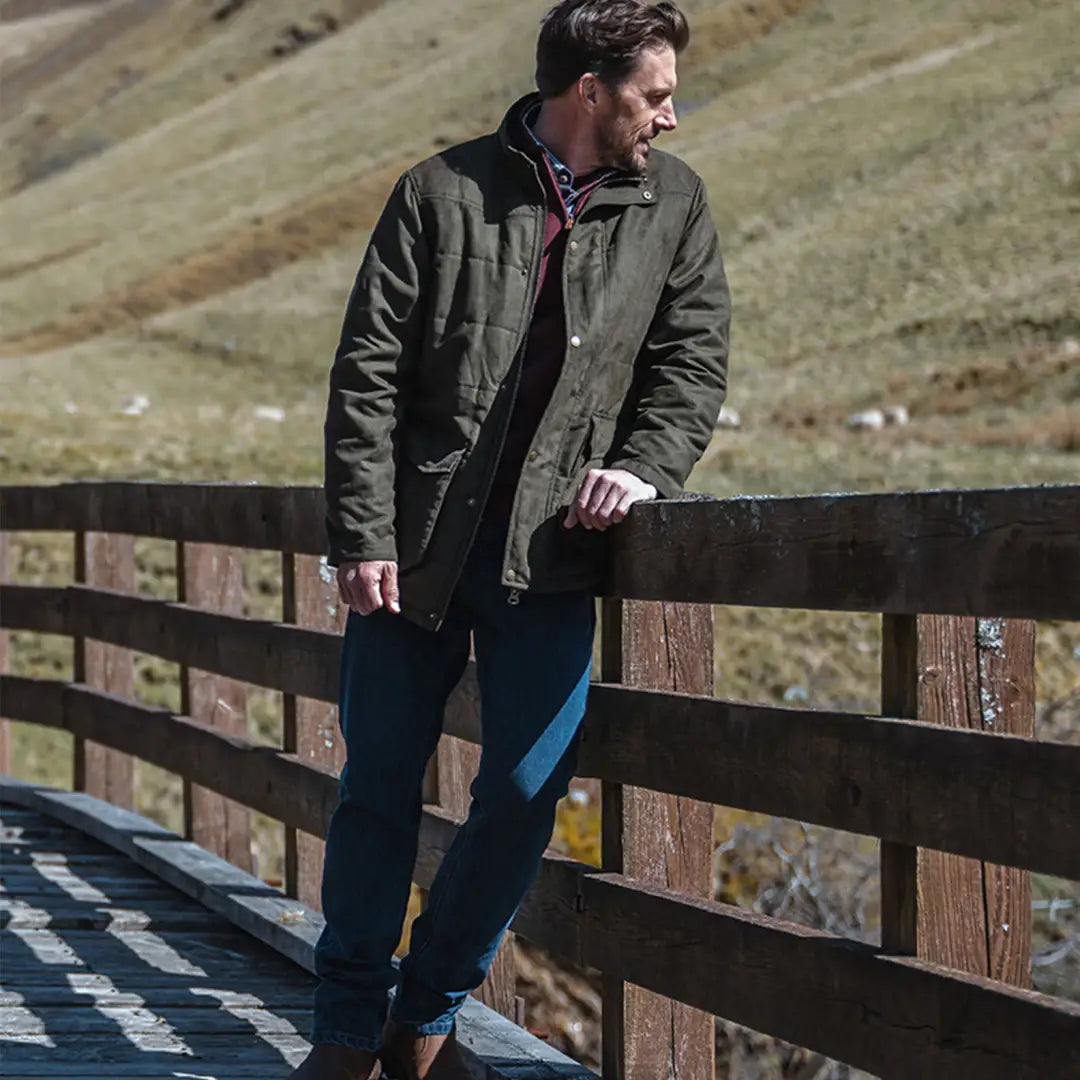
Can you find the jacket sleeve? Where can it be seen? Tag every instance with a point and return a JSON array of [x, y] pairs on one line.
[[378, 346], [682, 366]]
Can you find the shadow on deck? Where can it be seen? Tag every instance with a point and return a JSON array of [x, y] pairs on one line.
[[128, 952]]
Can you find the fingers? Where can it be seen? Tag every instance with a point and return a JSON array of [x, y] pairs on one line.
[[575, 517], [362, 586], [605, 498], [389, 588], [595, 507], [622, 508]]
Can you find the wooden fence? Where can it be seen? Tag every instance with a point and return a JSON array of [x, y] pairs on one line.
[[965, 802]]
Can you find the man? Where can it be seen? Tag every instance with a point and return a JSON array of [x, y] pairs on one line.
[[536, 340]]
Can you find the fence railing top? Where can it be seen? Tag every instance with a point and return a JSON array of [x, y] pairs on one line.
[[994, 552]]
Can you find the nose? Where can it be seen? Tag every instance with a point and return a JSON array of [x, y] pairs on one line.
[[667, 121]]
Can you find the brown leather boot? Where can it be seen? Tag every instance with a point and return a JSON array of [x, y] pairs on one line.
[[408, 1056], [328, 1061]]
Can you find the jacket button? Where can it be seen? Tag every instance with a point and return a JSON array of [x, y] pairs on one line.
[[575, 341], [471, 500], [573, 245], [533, 455], [647, 195]]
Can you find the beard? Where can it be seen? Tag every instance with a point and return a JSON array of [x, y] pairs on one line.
[[619, 147]]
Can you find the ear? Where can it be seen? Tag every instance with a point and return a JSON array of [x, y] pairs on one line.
[[588, 91]]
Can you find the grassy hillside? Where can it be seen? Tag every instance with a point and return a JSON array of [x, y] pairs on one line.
[[189, 186]]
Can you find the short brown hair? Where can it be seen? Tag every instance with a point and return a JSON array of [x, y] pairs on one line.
[[603, 37]]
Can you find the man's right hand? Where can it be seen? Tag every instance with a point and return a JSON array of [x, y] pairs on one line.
[[368, 586]]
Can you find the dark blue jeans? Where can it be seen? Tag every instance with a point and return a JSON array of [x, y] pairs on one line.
[[533, 661]]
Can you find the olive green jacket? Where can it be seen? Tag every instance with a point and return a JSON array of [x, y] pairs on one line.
[[425, 374]]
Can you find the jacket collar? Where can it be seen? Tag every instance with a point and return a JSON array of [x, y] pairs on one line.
[[621, 190]]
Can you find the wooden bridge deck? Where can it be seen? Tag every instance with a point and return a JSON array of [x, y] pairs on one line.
[[107, 972]]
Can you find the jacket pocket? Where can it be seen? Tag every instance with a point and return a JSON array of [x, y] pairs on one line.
[[423, 479]]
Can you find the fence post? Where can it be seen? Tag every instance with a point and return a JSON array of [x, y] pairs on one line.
[[656, 838], [310, 727], [967, 673], [450, 771], [5, 659], [105, 560], [211, 576]]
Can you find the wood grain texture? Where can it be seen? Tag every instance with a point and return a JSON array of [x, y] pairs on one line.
[[657, 838], [1009, 552], [975, 675], [310, 727], [106, 561], [211, 576], [978, 675]]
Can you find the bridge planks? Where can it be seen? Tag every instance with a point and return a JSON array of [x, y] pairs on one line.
[[164, 984], [495, 1047]]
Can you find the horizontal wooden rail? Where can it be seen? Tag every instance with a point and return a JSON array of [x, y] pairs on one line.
[[896, 1017], [998, 798], [1012, 552], [278, 656], [287, 519]]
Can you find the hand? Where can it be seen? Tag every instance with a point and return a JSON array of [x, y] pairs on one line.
[[368, 586], [605, 498]]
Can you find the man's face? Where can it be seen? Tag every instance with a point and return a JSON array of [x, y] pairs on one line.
[[633, 114]]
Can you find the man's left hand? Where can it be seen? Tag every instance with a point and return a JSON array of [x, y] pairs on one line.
[[605, 498]]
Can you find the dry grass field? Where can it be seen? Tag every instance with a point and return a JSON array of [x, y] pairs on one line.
[[187, 188]]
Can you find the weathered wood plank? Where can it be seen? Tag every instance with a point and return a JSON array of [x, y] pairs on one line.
[[310, 727], [281, 657], [109, 561], [658, 838], [260, 777], [33, 957], [286, 519], [108, 1049], [115, 917], [1011, 801], [163, 992], [1009, 552], [896, 1017], [211, 576], [1012, 552], [976, 675], [200, 1016]]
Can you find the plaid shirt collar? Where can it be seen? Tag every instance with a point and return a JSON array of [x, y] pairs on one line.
[[569, 190]]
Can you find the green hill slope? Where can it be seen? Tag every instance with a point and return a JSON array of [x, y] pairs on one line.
[[897, 186]]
